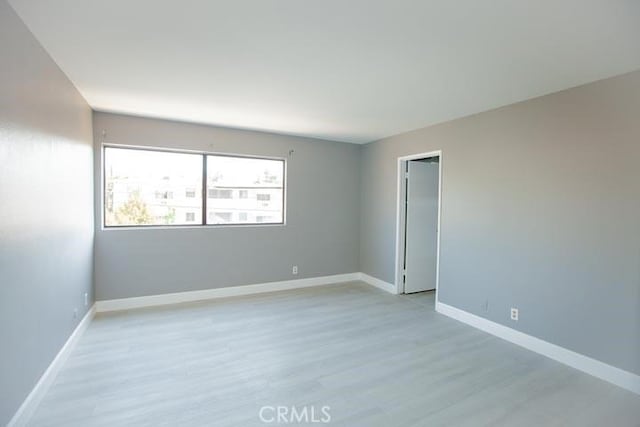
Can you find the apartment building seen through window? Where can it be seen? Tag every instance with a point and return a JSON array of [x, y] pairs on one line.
[[153, 187]]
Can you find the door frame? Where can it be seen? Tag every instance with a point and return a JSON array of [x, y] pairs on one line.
[[401, 217]]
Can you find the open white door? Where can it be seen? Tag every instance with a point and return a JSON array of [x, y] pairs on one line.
[[421, 225]]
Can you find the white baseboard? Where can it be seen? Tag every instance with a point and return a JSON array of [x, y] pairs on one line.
[[617, 376], [30, 404], [231, 291], [380, 284]]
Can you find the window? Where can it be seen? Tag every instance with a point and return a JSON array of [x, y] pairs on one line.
[[164, 195], [150, 187], [252, 181], [220, 218], [215, 193], [140, 186]]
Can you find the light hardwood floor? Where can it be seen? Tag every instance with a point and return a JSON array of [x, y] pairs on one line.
[[375, 359]]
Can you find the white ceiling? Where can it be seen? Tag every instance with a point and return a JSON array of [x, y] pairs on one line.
[[347, 70]]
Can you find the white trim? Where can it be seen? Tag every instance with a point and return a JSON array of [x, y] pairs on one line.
[[400, 217], [231, 291], [617, 376], [30, 404], [380, 284]]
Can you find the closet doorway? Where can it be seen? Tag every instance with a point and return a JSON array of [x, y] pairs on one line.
[[418, 231]]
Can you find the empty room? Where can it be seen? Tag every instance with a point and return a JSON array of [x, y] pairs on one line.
[[342, 213]]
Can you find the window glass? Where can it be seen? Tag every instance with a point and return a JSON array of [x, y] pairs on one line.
[[145, 187], [244, 190]]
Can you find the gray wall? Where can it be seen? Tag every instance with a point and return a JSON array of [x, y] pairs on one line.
[[540, 211], [46, 200], [321, 235]]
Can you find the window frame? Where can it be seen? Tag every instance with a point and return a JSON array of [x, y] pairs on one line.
[[204, 194]]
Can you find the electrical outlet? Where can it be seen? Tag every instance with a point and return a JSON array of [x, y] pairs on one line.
[[294, 270], [86, 299], [75, 313], [485, 305], [514, 314]]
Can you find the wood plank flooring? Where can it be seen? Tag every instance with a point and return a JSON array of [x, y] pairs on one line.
[[375, 359]]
